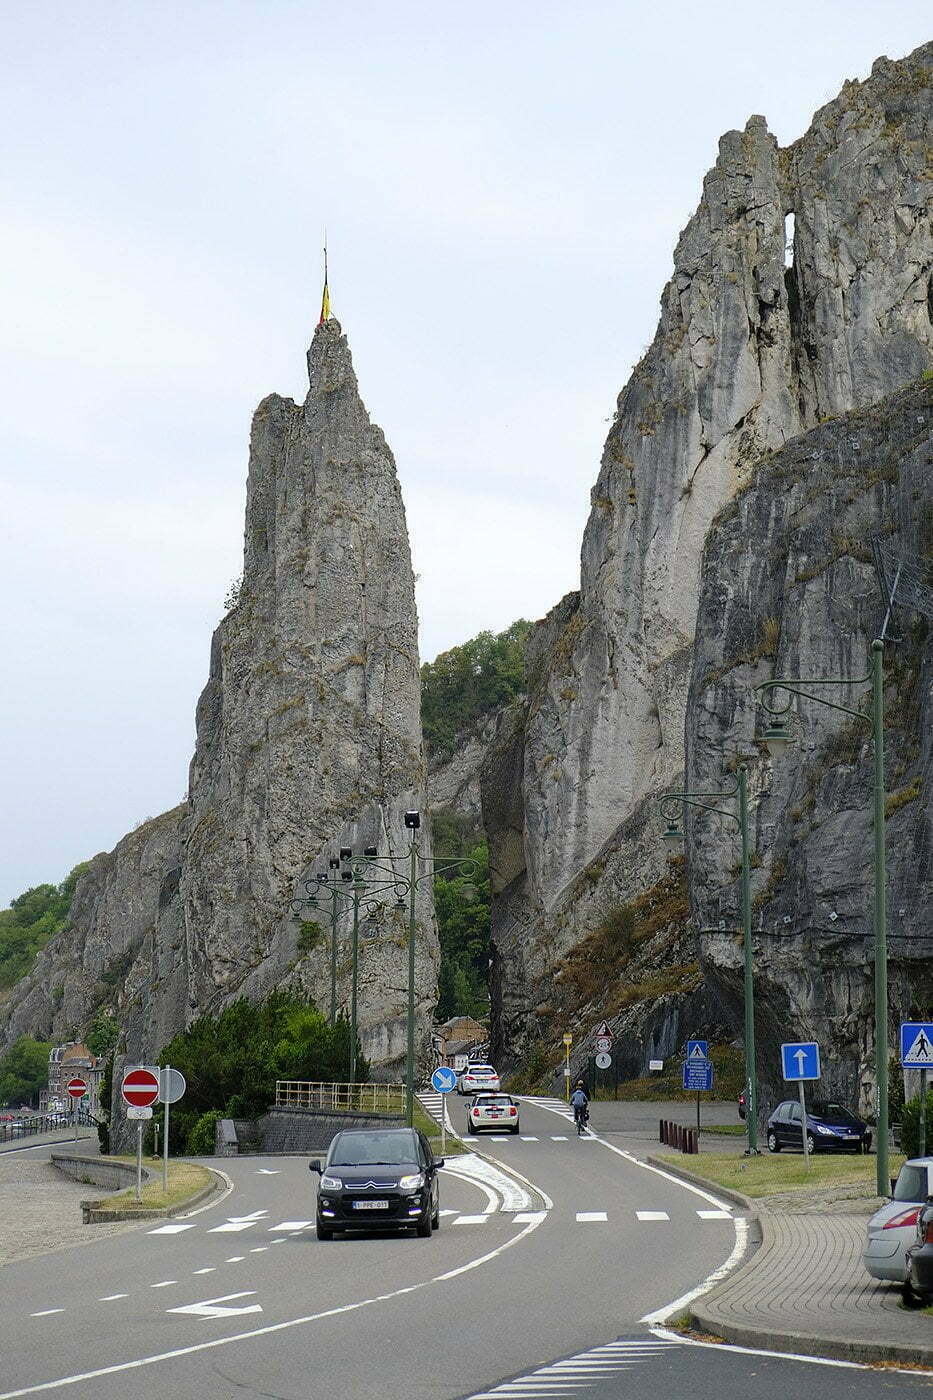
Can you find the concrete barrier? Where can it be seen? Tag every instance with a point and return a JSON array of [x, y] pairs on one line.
[[97, 1171]]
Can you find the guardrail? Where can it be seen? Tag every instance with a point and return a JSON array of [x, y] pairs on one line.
[[340, 1098], [43, 1123]]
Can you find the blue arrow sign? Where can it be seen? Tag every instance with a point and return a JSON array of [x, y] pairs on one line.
[[917, 1044], [697, 1049], [444, 1079], [800, 1059], [698, 1075]]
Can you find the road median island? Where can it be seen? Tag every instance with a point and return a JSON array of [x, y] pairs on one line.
[[805, 1290], [189, 1184]]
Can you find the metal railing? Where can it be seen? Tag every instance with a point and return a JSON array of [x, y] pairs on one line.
[[340, 1098], [43, 1123]]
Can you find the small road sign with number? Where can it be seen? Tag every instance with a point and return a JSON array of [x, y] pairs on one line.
[[603, 1044], [917, 1044], [77, 1088], [698, 1075], [697, 1049], [444, 1079], [800, 1059]]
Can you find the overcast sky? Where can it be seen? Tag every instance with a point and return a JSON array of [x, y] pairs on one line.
[[502, 184]]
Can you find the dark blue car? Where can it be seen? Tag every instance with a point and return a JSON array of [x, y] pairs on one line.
[[830, 1128]]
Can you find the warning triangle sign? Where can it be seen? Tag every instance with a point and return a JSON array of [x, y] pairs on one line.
[[603, 1029], [697, 1053], [921, 1050]]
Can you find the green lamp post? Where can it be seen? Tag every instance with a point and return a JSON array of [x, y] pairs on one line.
[[776, 737], [673, 838]]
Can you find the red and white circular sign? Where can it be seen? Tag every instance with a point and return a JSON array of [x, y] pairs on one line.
[[140, 1088], [77, 1088]]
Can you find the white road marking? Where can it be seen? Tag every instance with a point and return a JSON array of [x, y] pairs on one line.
[[211, 1270], [585, 1216], [280, 1240], [715, 1214], [555, 1137], [236, 1259], [579, 1372], [112, 1297], [292, 1225], [271, 1327], [651, 1215], [170, 1230], [525, 1217], [675, 1337], [448, 1212], [232, 1227], [259, 1249], [471, 1219], [266, 1171], [253, 1215], [213, 1307], [212, 1204], [496, 1138], [529, 1139], [47, 1312], [660, 1315], [166, 1283]]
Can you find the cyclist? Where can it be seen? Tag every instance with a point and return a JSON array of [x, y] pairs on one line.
[[579, 1102]]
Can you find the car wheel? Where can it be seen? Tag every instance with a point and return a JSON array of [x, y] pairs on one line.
[[424, 1227], [436, 1220], [471, 1129], [910, 1298], [514, 1130], [323, 1233], [773, 1144], [811, 1143]]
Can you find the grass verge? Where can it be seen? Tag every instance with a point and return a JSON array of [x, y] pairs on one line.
[[185, 1179], [431, 1129], [769, 1175]]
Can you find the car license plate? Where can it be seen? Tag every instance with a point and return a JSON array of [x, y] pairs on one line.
[[370, 1205]]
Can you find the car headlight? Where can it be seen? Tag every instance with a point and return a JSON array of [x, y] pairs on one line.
[[827, 1132], [412, 1182], [331, 1183]]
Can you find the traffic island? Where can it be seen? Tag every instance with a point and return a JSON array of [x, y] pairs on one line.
[[805, 1290], [188, 1185]]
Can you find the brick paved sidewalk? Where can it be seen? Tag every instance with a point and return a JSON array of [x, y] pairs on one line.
[[40, 1208], [805, 1290]]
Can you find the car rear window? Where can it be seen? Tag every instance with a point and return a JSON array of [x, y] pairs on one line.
[[911, 1184], [500, 1100]]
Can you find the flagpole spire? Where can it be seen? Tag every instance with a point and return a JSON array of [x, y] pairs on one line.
[[325, 299]]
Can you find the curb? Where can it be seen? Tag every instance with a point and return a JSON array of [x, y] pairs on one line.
[[694, 1178], [94, 1214]]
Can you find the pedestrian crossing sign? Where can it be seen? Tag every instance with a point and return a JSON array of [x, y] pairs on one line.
[[917, 1045], [697, 1050]]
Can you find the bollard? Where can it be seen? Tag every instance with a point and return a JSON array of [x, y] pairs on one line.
[[660, 1130]]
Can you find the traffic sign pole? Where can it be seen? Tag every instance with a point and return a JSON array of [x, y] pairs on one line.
[[165, 1141], [923, 1113], [803, 1124], [139, 1160]]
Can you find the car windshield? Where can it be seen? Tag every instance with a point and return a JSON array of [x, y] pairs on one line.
[[911, 1184], [481, 1071], [374, 1149], [494, 1100], [834, 1113]]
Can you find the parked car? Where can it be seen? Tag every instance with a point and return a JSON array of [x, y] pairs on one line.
[[383, 1179], [918, 1285], [830, 1128], [493, 1111], [893, 1228], [476, 1078]]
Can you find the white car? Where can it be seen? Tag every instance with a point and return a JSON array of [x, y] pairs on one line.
[[476, 1078], [493, 1111], [892, 1228]]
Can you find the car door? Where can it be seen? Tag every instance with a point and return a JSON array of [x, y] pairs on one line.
[[430, 1169], [794, 1138], [782, 1122]]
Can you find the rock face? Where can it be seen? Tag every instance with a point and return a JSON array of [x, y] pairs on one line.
[[748, 353], [308, 740], [806, 603]]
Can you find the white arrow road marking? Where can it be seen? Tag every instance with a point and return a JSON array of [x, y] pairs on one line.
[[267, 1171], [211, 1306], [169, 1229]]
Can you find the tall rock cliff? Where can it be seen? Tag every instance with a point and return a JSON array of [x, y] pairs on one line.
[[308, 739], [749, 352]]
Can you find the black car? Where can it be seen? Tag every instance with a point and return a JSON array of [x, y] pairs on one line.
[[830, 1128], [380, 1179], [918, 1288]]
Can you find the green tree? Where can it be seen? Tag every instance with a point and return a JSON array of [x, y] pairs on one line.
[[464, 684], [103, 1034], [463, 921], [31, 920], [24, 1070]]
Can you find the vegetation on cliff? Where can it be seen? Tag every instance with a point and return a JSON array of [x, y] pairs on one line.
[[24, 1070], [468, 682], [29, 923]]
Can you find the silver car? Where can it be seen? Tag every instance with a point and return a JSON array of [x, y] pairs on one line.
[[476, 1079], [894, 1227]]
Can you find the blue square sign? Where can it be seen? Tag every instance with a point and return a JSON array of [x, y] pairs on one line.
[[917, 1045], [697, 1049], [800, 1059], [698, 1075]]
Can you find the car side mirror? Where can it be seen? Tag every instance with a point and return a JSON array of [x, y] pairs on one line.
[[314, 1167], [439, 1162]]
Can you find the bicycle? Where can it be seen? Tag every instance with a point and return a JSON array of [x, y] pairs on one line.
[[581, 1117]]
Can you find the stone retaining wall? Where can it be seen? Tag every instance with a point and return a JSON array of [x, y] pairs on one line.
[[97, 1171]]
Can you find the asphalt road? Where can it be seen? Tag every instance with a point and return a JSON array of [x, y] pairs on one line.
[[246, 1302]]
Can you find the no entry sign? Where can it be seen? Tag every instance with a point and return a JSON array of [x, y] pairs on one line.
[[140, 1088], [76, 1088]]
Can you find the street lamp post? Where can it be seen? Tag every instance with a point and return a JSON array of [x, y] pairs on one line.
[[673, 838], [777, 738]]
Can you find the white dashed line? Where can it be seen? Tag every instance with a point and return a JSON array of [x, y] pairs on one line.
[[259, 1249], [112, 1297], [236, 1259], [211, 1270], [651, 1215], [529, 1139], [167, 1283], [291, 1225], [588, 1216], [555, 1137], [715, 1214], [47, 1312], [170, 1230], [528, 1217], [231, 1227], [471, 1219]]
